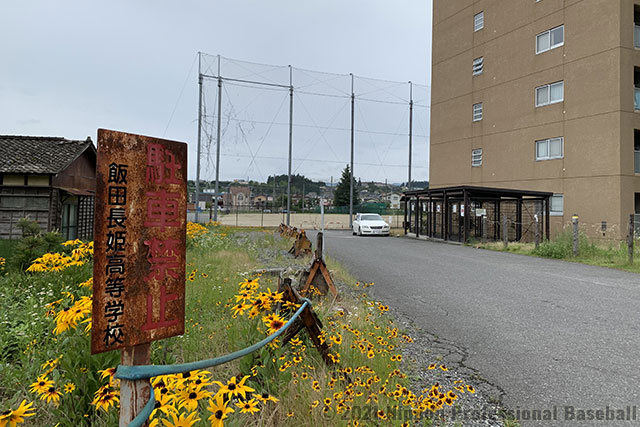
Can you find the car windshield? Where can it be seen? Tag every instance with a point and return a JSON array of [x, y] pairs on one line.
[[371, 217]]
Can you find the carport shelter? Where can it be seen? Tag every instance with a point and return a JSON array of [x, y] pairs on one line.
[[456, 213]]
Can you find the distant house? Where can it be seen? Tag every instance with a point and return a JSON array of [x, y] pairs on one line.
[[394, 200], [50, 180], [238, 195]]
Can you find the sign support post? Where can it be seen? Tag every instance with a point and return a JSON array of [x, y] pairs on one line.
[[134, 394]]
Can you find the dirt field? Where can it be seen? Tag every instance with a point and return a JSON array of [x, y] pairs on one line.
[[307, 221]]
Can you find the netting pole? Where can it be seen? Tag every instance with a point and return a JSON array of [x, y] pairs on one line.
[[215, 212], [353, 103], [199, 135], [290, 144], [410, 130]]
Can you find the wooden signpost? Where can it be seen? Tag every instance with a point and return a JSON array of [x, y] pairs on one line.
[[139, 251]]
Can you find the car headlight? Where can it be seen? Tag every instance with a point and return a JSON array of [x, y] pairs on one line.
[[365, 226]]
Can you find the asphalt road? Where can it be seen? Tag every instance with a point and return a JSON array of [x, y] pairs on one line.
[[547, 332]]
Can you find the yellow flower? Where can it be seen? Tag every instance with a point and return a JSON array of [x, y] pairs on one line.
[[41, 385], [273, 323], [182, 420], [234, 387], [69, 387], [248, 407], [190, 397], [17, 416], [51, 395], [219, 410], [265, 397], [105, 398]]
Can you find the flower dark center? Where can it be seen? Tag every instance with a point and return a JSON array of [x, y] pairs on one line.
[[193, 395], [41, 383], [218, 414], [232, 386], [51, 389], [265, 395]]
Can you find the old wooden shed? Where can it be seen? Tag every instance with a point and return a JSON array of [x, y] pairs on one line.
[[50, 180]]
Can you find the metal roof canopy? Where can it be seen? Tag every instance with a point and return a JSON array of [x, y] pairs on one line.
[[480, 192], [468, 194]]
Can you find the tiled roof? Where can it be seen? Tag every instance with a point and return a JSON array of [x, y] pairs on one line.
[[39, 154]]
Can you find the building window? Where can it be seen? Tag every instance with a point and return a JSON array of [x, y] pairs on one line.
[[476, 157], [636, 26], [477, 112], [550, 39], [478, 65], [552, 148], [557, 205], [636, 151], [478, 22], [636, 88], [549, 94]]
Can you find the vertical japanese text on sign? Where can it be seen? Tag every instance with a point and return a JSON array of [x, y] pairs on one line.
[[140, 237]]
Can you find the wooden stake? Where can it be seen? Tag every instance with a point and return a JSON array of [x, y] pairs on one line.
[[134, 394]]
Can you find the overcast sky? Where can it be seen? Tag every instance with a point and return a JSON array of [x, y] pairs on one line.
[[69, 68]]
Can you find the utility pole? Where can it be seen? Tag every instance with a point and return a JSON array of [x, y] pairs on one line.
[[215, 212], [410, 129], [273, 198], [290, 143], [303, 194], [199, 135], [353, 103]]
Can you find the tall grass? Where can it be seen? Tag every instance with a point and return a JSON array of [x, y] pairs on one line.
[[590, 251]]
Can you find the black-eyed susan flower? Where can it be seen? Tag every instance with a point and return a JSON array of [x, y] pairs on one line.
[[51, 395], [248, 406], [41, 385], [182, 420], [266, 397], [189, 398], [17, 416], [219, 410], [235, 388]]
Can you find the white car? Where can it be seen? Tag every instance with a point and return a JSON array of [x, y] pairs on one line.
[[370, 224]]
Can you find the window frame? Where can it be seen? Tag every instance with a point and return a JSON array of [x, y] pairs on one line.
[[477, 27], [548, 87], [477, 66], [547, 141], [473, 112], [551, 211], [476, 157], [550, 47]]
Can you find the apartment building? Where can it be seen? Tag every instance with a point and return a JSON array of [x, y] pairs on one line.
[[540, 95]]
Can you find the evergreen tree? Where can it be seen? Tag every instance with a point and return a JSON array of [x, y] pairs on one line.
[[342, 192]]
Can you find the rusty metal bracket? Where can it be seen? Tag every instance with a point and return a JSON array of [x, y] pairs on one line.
[[318, 276]]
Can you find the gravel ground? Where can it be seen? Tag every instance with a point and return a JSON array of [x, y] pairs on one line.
[[483, 408]]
